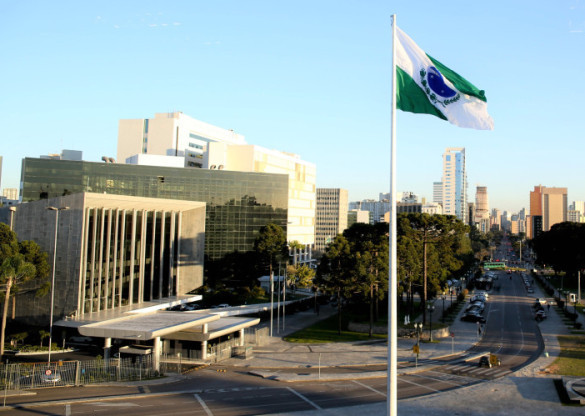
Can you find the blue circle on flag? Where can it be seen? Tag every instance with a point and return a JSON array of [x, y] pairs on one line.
[[437, 84]]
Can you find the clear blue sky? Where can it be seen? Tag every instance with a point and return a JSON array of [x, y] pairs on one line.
[[309, 77]]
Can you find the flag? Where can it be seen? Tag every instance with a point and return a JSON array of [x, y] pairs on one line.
[[426, 86]]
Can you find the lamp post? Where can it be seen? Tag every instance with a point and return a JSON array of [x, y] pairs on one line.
[[444, 296], [53, 277], [12, 211], [430, 308]]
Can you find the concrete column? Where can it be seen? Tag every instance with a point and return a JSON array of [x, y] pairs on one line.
[[107, 348], [156, 355], [205, 330], [242, 335], [204, 350]]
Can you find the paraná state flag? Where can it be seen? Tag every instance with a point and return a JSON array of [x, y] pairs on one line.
[[424, 85]]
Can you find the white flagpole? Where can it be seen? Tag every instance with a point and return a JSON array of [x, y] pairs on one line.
[[392, 387]]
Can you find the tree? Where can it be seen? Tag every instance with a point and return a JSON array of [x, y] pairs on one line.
[[20, 262], [271, 245], [43, 334], [14, 270], [301, 275], [334, 272]]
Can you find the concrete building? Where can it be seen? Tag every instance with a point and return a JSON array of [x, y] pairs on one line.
[[438, 192], [238, 204], [10, 193], [356, 215], [454, 182], [432, 208], [377, 209], [576, 212], [554, 207], [548, 206], [331, 215], [482, 209], [113, 250], [171, 134]]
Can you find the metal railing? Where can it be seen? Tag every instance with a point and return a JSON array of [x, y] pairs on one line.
[[21, 376]]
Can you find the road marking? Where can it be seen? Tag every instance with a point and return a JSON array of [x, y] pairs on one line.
[[203, 405], [370, 388], [67, 410], [305, 399], [419, 385]]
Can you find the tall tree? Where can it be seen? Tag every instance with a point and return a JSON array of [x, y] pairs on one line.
[[334, 272], [14, 270], [271, 245]]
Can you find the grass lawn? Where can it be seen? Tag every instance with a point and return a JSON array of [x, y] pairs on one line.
[[571, 361], [326, 331]]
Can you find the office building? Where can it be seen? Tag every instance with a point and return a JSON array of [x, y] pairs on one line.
[[10, 193], [171, 134], [377, 209], [238, 204], [548, 206], [175, 139], [454, 182], [331, 216], [301, 185], [357, 216], [438, 192]]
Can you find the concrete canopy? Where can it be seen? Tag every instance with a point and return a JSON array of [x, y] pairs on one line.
[[147, 326]]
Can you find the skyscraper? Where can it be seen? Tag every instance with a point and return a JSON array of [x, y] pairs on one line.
[[548, 206], [482, 209], [331, 215], [455, 183]]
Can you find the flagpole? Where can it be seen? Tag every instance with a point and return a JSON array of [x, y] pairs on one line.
[[392, 387]]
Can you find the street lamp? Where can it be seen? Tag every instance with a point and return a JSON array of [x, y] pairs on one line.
[[430, 308], [53, 277], [12, 211], [444, 296]]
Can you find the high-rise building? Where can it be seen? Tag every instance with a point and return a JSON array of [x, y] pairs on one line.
[[10, 193], [548, 206], [554, 207], [438, 192], [482, 209], [171, 134], [356, 215], [331, 215], [455, 183], [175, 139]]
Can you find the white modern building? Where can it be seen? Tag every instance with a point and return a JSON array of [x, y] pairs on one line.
[[455, 183], [171, 134], [175, 139]]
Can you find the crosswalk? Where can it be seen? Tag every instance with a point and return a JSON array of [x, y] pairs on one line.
[[473, 370], [466, 368]]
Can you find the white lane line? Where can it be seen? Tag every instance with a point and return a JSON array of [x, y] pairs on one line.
[[203, 405], [67, 410], [305, 399], [370, 388], [419, 385]]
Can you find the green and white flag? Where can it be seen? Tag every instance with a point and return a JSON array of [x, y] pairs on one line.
[[424, 85]]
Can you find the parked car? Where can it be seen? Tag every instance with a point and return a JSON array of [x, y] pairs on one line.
[[540, 315], [486, 362]]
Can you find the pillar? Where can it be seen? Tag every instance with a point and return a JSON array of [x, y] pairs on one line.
[[107, 348], [156, 353]]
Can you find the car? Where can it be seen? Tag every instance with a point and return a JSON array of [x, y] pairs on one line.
[[473, 317], [540, 315], [529, 289], [51, 377], [476, 298], [488, 361], [482, 293], [541, 301], [477, 305]]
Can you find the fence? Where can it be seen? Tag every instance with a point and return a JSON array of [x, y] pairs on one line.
[[257, 336], [23, 376]]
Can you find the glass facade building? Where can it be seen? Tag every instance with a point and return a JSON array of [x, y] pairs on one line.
[[238, 204]]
